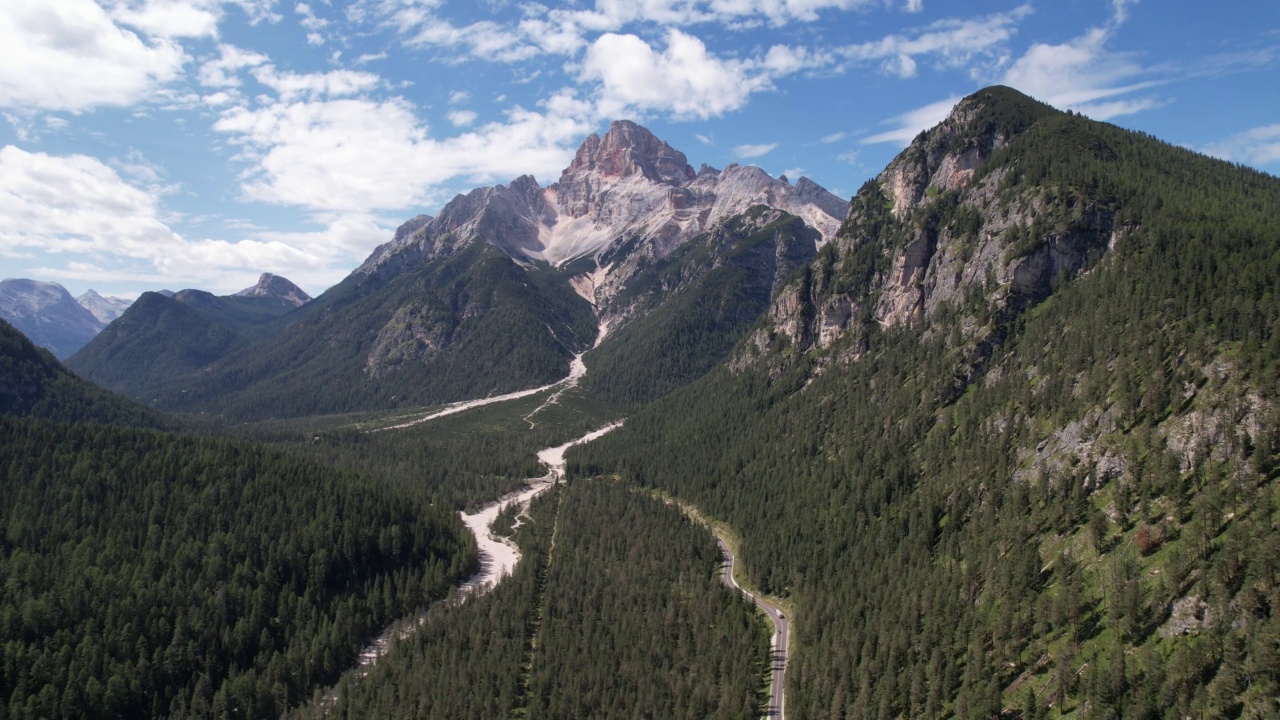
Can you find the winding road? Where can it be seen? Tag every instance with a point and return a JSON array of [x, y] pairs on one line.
[[781, 637]]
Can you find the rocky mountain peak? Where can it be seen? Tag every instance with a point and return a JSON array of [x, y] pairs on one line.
[[946, 156], [274, 286], [628, 150], [105, 309]]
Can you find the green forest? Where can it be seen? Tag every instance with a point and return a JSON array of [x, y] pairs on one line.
[[970, 527], [615, 606], [148, 575]]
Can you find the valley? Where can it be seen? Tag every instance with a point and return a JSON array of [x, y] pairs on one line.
[[998, 437]]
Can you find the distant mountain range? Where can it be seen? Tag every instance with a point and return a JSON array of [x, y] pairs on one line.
[[47, 314], [52, 318]]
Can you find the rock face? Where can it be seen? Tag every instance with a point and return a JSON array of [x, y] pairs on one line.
[[105, 309], [938, 226], [47, 314], [626, 200], [278, 288]]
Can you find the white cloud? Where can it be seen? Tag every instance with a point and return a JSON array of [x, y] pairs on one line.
[[911, 123], [108, 229], [794, 172], [684, 80], [312, 23], [566, 31], [951, 43], [458, 97], [169, 18], [357, 154], [224, 71], [1258, 146], [705, 139], [462, 118], [1083, 73], [336, 83], [69, 55], [754, 151], [833, 137], [482, 40]]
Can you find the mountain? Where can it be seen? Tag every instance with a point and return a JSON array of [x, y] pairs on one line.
[[105, 309], [627, 200], [34, 384], [159, 341], [501, 289], [1009, 442], [46, 313], [277, 288]]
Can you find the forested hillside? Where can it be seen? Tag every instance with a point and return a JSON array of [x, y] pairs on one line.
[[33, 383], [161, 343], [691, 307], [148, 575], [1010, 444], [472, 324], [614, 611]]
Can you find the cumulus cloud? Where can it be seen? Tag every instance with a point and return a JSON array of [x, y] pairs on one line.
[[1257, 146], [754, 151], [462, 118], [358, 154], [169, 18], [75, 206], [684, 79], [69, 55], [224, 71]]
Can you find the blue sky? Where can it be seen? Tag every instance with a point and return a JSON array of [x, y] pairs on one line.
[[149, 144]]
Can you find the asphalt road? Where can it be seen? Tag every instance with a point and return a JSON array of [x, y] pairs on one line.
[[781, 637]]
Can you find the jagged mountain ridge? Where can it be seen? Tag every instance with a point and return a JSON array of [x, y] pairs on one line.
[[627, 198]]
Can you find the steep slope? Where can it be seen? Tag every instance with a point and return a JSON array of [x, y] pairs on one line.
[[693, 306], [46, 313], [1007, 440], [161, 342], [34, 384]]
